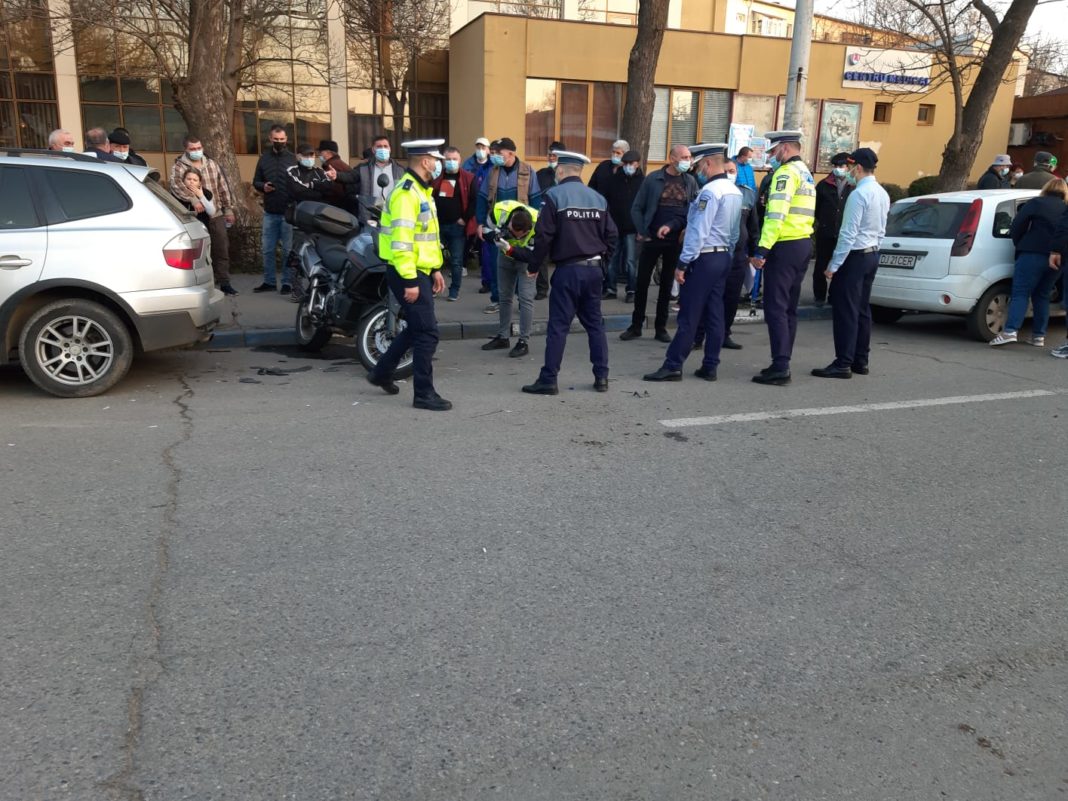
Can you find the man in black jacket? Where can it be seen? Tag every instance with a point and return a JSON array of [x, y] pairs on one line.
[[620, 190], [306, 182], [997, 174], [831, 194], [272, 179], [121, 148], [546, 180], [97, 144]]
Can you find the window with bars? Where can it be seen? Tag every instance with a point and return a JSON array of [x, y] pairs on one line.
[[686, 117], [28, 109]]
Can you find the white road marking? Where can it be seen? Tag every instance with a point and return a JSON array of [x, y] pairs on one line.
[[785, 414]]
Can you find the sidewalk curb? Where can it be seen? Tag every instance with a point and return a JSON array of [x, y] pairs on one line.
[[482, 329]]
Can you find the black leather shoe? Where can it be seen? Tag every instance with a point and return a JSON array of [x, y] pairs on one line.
[[497, 343], [831, 371], [860, 369], [264, 287], [541, 295], [483, 290], [730, 344], [433, 403], [630, 333], [600, 384], [663, 374], [663, 336], [227, 289], [707, 375], [777, 378], [538, 388], [285, 290], [608, 296], [520, 349], [385, 383]]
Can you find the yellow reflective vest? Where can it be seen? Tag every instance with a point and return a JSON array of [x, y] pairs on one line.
[[791, 209], [502, 210], [408, 235]]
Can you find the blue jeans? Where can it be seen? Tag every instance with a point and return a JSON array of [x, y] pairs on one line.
[[489, 269], [1031, 280], [276, 231], [454, 240], [625, 257]]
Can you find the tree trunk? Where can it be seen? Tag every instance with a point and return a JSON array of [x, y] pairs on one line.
[[206, 97], [958, 158], [641, 72]]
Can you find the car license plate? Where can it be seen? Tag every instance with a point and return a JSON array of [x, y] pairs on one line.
[[904, 261]]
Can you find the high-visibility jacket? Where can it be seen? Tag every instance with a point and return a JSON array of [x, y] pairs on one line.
[[499, 215], [408, 236], [791, 209]]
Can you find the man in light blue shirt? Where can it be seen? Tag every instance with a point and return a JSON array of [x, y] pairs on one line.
[[853, 267], [712, 229]]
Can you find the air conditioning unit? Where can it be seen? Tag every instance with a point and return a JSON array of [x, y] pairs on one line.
[[1019, 134]]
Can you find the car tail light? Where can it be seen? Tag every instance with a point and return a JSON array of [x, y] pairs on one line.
[[962, 245], [182, 252]]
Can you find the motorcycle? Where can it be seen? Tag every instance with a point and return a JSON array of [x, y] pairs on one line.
[[346, 292]]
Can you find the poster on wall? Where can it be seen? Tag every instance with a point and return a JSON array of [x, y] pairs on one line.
[[740, 136], [759, 156], [839, 132]]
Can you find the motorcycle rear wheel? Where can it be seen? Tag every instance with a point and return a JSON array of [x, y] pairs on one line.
[[373, 339], [310, 338]]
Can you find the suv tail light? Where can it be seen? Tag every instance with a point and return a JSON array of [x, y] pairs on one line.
[[182, 252], [962, 245]]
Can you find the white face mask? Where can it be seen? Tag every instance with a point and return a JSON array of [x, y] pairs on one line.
[[683, 165], [121, 154], [69, 149], [840, 172], [733, 176]]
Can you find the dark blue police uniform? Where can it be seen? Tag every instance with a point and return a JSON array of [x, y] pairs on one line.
[[576, 233]]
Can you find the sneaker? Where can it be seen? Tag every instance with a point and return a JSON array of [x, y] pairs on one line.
[[264, 287], [285, 290], [521, 349], [1038, 342], [1004, 338], [1061, 352], [226, 289], [608, 295], [497, 343], [484, 289], [452, 298], [493, 308], [630, 298]]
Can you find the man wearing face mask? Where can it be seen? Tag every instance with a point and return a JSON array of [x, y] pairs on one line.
[[478, 164], [272, 179], [620, 192], [997, 174], [831, 194], [659, 215], [508, 179], [784, 248], [306, 182], [214, 180], [454, 194], [365, 177], [546, 181], [409, 241], [120, 148], [97, 144], [61, 140], [606, 169]]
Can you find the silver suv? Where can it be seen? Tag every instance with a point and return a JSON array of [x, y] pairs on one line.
[[97, 261]]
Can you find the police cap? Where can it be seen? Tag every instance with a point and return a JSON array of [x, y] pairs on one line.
[[424, 147], [782, 137], [698, 152], [566, 157]]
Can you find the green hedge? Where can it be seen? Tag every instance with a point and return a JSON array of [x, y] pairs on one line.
[[895, 192], [245, 249], [926, 185]]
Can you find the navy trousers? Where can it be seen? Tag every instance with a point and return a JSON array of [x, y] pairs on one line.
[[850, 295], [784, 271], [700, 305], [420, 334], [576, 290]]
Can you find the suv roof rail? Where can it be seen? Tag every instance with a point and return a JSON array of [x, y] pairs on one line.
[[59, 154]]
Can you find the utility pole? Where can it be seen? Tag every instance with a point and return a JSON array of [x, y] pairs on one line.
[[797, 79]]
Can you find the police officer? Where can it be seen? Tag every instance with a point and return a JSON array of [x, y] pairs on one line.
[[409, 241], [784, 248], [511, 224], [853, 266], [576, 232], [711, 232]]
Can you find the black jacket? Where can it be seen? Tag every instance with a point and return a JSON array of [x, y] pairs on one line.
[[308, 183], [829, 207], [102, 155], [1060, 237], [273, 168], [203, 215], [992, 180], [361, 181], [546, 179], [620, 190], [648, 199], [1034, 227], [749, 229], [599, 180]]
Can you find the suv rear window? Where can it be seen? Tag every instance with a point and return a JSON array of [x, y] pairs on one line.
[[82, 194], [921, 220], [170, 201]]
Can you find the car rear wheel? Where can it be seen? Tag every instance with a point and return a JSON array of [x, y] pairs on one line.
[[885, 315], [75, 348], [988, 318]]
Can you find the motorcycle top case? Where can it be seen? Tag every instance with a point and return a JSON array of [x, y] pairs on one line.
[[322, 218]]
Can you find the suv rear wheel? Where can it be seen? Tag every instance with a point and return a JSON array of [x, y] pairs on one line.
[[75, 348], [988, 318]]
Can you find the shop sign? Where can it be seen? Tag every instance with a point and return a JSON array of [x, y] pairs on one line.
[[886, 70]]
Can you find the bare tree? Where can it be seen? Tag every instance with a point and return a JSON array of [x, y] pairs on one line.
[[1047, 64], [641, 71], [389, 37], [972, 47]]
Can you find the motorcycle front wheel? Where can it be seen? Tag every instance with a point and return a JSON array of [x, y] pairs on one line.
[[373, 339], [309, 337]]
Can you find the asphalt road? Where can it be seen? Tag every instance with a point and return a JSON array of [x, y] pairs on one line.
[[217, 584]]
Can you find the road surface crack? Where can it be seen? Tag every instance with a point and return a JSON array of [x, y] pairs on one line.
[[146, 664]]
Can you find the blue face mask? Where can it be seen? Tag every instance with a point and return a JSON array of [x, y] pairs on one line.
[[851, 179], [382, 154], [617, 160], [630, 169], [774, 163], [702, 179], [452, 165], [497, 159], [436, 173], [683, 166], [195, 155], [307, 163]]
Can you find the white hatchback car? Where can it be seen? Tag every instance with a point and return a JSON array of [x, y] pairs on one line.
[[950, 253]]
